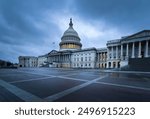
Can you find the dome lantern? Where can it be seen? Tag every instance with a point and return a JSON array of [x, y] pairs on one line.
[[71, 24]]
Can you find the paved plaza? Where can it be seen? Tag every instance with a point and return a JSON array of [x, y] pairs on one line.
[[73, 85]]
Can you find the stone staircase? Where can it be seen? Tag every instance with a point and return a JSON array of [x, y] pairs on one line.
[[138, 64]]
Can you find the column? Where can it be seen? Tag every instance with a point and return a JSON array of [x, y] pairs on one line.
[[112, 50], [105, 57], [133, 52], [99, 57], [112, 64], [116, 64], [108, 53], [102, 56], [59, 58], [139, 56], [127, 51], [107, 64], [121, 52], [146, 52], [116, 52], [70, 60]]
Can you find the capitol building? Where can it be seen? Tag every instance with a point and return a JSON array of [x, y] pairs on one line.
[[117, 53]]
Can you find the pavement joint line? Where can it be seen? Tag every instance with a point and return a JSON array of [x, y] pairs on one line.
[[77, 79], [71, 90], [76, 73], [22, 94], [27, 80], [125, 86], [69, 74], [61, 76]]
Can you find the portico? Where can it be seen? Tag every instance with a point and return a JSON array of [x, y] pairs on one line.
[[134, 46]]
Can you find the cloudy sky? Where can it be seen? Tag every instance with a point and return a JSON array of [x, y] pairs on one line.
[[34, 27]]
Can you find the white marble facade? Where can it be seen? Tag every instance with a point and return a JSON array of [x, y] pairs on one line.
[[85, 58], [42, 60], [28, 61]]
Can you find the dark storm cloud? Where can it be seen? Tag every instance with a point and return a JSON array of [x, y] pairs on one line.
[[132, 14], [15, 14], [17, 24]]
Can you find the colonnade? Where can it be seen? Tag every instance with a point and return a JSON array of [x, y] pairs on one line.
[[126, 56], [122, 52]]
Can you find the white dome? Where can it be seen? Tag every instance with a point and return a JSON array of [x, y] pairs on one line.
[[70, 37], [70, 32]]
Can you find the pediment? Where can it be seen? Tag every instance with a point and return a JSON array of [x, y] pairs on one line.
[[141, 34], [53, 52]]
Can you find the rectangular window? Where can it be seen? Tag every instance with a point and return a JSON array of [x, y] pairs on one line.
[[85, 58], [89, 58]]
